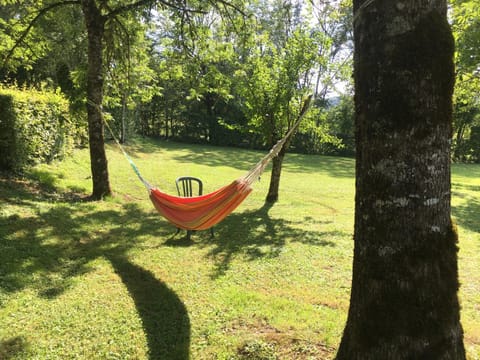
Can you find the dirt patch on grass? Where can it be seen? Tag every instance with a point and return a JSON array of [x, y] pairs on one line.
[[264, 341]]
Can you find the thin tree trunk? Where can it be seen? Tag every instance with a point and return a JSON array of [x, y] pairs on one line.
[[277, 162], [404, 302], [123, 129], [212, 126], [166, 120], [95, 28]]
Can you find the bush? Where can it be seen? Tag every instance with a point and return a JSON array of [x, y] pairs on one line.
[[34, 127], [467, 150], [475, 143]]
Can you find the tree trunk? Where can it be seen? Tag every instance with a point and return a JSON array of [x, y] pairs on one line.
[[277, 162], [404, 302], [167, 115], [123, 129], [94, 22], [212, 124]]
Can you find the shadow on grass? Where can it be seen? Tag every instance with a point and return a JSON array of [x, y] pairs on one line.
[[466, 170], [254, 234], [467, 214], [242, 159], [164, 316], [48, 238], [12, 348]]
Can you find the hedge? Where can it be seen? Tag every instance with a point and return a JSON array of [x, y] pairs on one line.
[[35, 127]]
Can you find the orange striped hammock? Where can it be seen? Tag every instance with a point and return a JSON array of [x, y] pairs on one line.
[[205, 211], [200, 212]]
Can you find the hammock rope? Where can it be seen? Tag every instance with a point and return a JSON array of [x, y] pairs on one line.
[[129, 159], [205, 211], [258, 169]]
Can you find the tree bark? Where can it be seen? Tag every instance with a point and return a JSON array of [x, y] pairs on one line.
[[404, 302], [123, 129], [277, 162], [95, 23]]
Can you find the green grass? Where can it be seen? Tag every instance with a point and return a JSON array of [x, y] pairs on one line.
[[109, 280]]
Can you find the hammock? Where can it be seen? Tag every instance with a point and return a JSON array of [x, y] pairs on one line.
[[200, 212], [205, 211]]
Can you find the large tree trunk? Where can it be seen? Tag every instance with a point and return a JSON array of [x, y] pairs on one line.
[[404, 302], [94, 22]]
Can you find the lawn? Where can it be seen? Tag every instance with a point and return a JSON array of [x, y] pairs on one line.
[[110, 280]]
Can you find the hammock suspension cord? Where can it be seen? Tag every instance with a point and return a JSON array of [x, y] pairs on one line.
[[258, 169]]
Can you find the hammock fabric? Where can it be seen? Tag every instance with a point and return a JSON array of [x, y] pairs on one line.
[[200, 212], [203, 212]]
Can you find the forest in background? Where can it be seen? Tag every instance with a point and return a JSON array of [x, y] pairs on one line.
[[234, 77]]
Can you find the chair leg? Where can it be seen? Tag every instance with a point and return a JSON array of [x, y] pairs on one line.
[[189, 233]]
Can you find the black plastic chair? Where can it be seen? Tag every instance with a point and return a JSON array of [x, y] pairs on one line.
[[188, 186]]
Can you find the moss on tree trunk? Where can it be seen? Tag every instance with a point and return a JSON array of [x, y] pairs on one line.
[[404, 302]]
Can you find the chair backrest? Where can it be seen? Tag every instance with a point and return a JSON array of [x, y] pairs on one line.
[[186, 186]]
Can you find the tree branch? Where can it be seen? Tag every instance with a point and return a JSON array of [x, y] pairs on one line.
[[228, 4], [34, 20], [140, 3]]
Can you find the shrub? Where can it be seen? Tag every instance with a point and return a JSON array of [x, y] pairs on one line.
[[34, 127]]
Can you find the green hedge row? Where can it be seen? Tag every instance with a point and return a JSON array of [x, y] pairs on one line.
[[35, 127]]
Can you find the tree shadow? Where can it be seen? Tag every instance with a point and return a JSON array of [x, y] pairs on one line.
[[177, 240], [466, 170], [57, 237], [254, 234], [12, 348], [335, 166], [59, 244], [184, 153], [466, 215], [214, 156], [164, 316]]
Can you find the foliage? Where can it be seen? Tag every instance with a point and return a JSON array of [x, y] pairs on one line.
[[277, 70], [130, 81], [340, 116], [317, 134], [13, 21], [272, 93], [180, 76], [58, 54], [35, 127], [53, 45], [334, 20], [170, 77], [466, 118], [466, 29], [221, 79], [194, 72]]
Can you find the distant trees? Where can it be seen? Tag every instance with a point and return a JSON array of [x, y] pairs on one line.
[[466, 26], [244, 78], [276, 75], [176, 74], [97, 15], [404, 302], [229, 73]]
